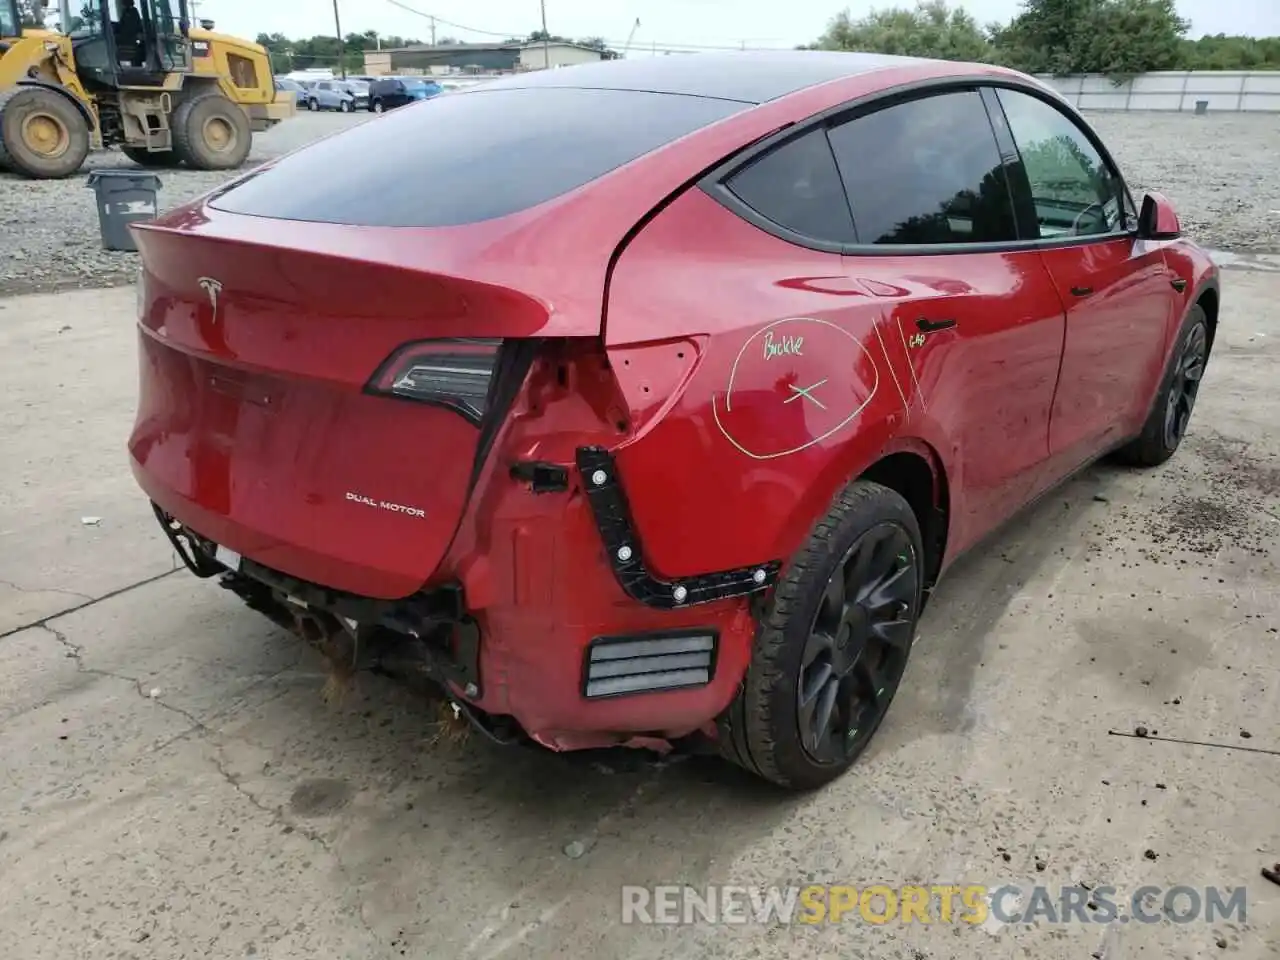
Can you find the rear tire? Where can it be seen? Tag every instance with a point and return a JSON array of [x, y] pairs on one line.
[[313, 105], [151, 158], [833, 645], [42, 133], [211, 133], [377, 107], [1170, 414]]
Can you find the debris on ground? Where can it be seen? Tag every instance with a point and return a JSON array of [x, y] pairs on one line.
[[1151, 854], [91, 521]]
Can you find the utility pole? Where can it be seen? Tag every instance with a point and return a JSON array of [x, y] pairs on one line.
[[546, 38], [433, 31], [337, 26]]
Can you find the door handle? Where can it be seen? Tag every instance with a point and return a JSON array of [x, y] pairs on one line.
[[925, 325], [1081, 291]]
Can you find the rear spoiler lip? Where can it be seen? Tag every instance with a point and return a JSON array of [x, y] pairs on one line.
[[526, 255]]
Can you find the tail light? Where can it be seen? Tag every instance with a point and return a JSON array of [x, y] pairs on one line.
[[457, 374]]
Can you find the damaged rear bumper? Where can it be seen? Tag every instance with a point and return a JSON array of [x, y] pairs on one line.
[[530, 627]]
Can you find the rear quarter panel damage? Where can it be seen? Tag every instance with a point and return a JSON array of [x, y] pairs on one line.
[[760, 377]]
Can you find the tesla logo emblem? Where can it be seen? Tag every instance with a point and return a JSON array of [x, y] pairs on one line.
[[212, 287], [917, 340], [806, 392]]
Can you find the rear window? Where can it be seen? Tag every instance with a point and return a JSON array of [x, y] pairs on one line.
[[797, 186], [462, 159]]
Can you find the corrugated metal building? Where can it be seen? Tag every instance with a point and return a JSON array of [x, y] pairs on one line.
[[477, 58]]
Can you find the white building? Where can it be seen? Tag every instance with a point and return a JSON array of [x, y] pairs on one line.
[[537, 56]]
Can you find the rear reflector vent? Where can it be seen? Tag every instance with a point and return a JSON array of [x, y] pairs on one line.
[[646, 664]]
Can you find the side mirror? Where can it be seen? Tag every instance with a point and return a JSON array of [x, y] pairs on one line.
[[1158, 220]]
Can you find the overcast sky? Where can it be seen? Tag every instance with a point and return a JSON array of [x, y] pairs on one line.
[[765, 23]]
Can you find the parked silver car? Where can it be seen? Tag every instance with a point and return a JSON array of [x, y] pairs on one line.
[[360, 90], [336, 95]]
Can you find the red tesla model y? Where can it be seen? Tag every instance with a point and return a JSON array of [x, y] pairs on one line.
[[646, 401]]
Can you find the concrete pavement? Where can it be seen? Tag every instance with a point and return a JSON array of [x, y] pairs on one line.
[[172, 785]]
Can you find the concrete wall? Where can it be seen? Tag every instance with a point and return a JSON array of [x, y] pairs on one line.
[[1224, 91]]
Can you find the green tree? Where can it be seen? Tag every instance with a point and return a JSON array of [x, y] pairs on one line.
[[1134, 36], [931, 29], [1048, 36], [1222, 52], [1115, 37], [597, 43]]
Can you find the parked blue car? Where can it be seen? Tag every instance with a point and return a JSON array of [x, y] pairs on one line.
[[391, 92]]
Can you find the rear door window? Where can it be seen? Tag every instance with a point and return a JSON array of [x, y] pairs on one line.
[[1074, 191], [471, 157], [926, 171], [797, 187]]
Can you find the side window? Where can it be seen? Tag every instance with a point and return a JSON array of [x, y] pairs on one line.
[[798, 187], [926, 171], [1074, 192]]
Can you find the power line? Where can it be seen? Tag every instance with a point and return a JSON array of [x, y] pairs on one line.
[[511, 34], [456, 26]]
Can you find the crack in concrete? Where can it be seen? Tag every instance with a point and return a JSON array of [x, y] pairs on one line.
[[89, 602], [66, 593], [75, 651], [278, 819]]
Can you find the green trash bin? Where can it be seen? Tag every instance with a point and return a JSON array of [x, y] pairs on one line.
[[124, 197]]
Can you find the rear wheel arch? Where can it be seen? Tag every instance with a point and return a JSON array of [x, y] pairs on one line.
[[917, 475], [1208, 300], [910, 467]]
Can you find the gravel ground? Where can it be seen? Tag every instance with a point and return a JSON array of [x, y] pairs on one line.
[[1219, 171], [49, 229]]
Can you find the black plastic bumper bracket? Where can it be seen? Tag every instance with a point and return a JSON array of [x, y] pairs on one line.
[[608, 502]]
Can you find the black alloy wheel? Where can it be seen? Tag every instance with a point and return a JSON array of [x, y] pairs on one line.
[[1188, 371], [833, 643], [858, 645], [1169, 413]]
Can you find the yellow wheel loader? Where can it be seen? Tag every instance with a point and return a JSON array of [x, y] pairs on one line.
[[164, 91]]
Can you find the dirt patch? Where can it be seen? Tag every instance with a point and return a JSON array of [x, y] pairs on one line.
[[318, 798], [1229, 498]]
